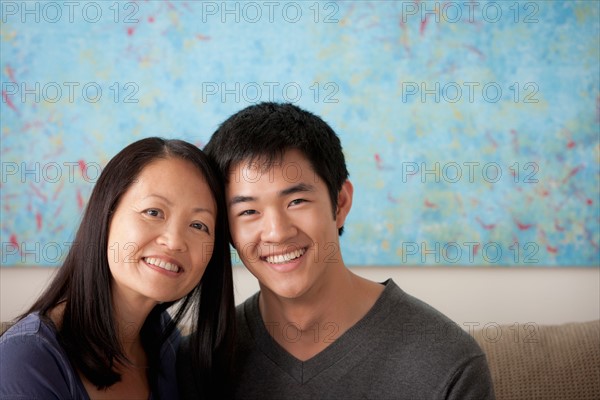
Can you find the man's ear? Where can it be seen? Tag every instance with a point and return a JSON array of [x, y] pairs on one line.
[[344, 203]]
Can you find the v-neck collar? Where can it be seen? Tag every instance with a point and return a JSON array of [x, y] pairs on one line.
[[354, 340]]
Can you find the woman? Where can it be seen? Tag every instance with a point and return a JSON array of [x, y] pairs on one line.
[[154, 235]]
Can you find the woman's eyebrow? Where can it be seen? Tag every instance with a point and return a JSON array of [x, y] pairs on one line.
[[170, 203]]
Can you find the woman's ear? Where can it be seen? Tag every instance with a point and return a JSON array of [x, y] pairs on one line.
[[344, 203]]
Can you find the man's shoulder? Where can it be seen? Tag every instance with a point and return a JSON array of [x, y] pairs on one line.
[[410, 321], [248, 308], [247, 317]]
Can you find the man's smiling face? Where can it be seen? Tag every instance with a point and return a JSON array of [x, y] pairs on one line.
[[282, 224]]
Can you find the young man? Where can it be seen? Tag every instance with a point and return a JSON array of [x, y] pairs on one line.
[[316, 330]]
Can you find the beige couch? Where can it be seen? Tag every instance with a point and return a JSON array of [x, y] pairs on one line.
[[529, 361]]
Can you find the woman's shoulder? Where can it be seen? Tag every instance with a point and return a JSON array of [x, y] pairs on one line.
[[27, 342], [31, 327], [33, 361]]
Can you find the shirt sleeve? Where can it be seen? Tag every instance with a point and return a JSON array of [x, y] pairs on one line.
[[472, 381], [33, 368]]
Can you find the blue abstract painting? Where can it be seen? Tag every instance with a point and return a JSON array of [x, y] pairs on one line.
[[471, 129]]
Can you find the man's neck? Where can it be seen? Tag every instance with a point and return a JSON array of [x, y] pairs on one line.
[[305, 326]]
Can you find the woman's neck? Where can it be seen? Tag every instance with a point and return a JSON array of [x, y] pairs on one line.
[[129, 318]]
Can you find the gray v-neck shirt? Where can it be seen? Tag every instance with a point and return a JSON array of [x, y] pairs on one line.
[[401, 349]]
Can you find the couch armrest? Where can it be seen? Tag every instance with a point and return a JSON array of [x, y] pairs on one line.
[[530, 361]]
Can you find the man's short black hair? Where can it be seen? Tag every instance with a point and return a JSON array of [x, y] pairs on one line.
[[264, 132]]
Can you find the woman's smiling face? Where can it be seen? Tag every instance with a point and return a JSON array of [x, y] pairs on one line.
[[161, 234]]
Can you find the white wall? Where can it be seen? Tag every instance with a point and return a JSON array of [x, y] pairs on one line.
[[467, 295]]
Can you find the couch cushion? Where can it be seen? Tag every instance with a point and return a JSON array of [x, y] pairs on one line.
[[530, 361]]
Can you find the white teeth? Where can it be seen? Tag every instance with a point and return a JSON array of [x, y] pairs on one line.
[[283, 258], [162, 264]]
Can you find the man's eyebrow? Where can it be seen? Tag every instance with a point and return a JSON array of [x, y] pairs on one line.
[[301, 187], [241, 199]]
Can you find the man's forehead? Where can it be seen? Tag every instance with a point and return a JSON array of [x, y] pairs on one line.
[[261, 163], [266, 162], [293, 165]]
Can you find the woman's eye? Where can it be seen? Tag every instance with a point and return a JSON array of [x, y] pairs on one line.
[[200, 226], [248, 212], [153, 212]]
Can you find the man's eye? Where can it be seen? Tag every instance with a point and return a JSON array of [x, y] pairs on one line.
[[297, 201]]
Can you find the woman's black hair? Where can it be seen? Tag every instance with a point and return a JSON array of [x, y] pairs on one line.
[[88, 331]]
